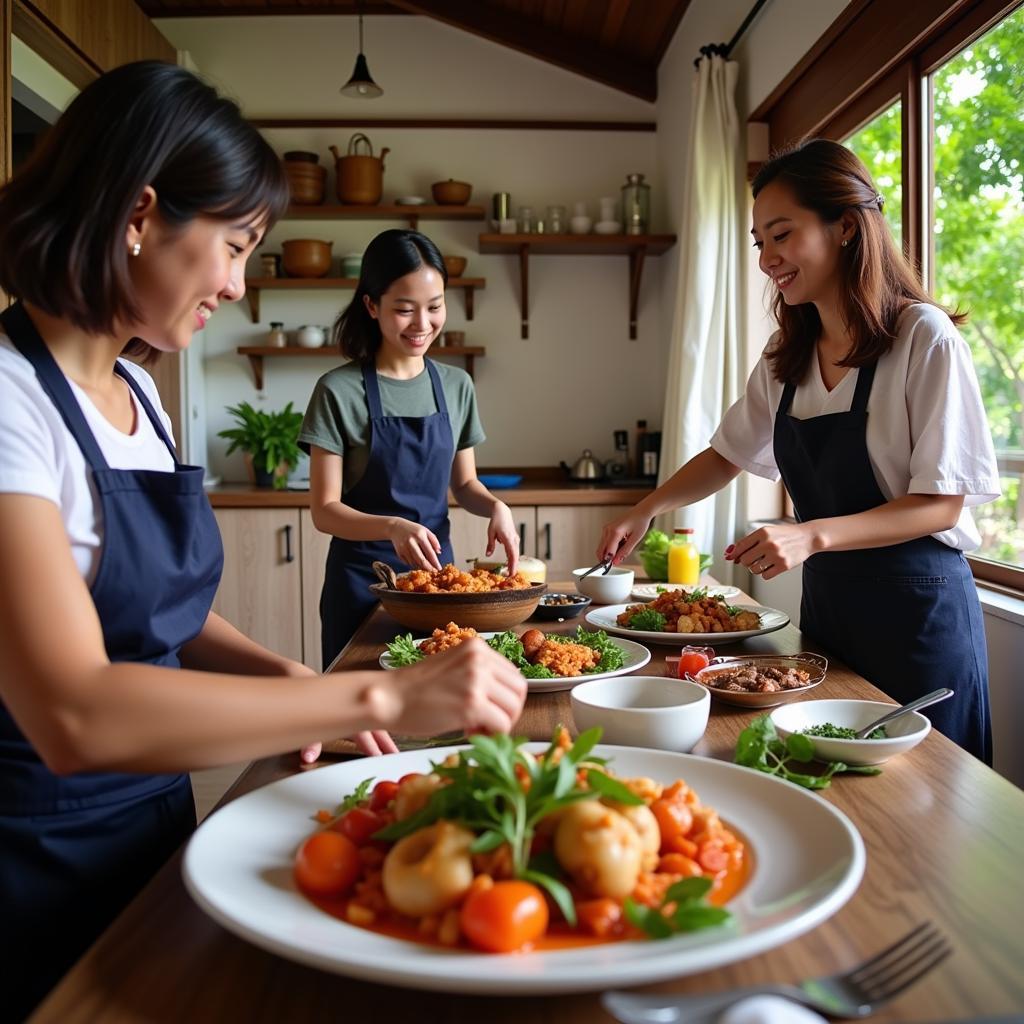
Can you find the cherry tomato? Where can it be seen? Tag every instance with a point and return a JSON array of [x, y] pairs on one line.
[[691, 662], [383, 793], [326, 864], [359, 824], [504, 918]]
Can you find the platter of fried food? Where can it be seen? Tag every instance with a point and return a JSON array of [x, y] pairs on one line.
[[659, 865], [550, 661], [688, 616]]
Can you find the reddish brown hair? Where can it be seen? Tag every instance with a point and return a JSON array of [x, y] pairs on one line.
[[878, 282]]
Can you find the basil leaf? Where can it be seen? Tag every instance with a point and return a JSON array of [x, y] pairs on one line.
[[688, 890], [559, 893], [612, 789]]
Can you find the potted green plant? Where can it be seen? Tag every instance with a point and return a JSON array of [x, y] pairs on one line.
[[271, 439]]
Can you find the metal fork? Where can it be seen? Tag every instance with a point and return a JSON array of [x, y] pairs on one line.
[[854, 993]]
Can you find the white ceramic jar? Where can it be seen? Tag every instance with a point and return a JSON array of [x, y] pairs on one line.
[[309, 336]]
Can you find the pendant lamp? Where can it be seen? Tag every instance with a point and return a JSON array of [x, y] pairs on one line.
[[361, 85]]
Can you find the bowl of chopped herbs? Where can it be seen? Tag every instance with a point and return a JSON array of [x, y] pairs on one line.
[[829, 726]]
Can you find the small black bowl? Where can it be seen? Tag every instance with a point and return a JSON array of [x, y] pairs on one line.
[[560, 611]]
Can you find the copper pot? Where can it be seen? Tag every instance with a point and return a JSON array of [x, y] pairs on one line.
[[306, 257], [359, 176], [451, 193]]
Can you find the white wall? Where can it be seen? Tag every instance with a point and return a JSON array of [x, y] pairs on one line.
[[578, 377]]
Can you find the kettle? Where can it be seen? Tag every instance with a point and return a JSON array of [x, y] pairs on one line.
[[586, 467]]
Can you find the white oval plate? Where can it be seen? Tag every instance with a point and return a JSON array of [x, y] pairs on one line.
[[410, 201], [796, 882], [605, 616], [636, 657], [649, 591]]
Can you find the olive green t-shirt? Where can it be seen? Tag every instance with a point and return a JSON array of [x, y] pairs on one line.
[[338, 417]]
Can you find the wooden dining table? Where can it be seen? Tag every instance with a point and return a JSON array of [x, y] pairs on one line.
[[944, 836]]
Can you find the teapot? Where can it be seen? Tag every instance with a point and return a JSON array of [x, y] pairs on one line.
[[586, 467], [309, 336]]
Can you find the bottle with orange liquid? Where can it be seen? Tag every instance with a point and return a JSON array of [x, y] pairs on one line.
[[683, 559]]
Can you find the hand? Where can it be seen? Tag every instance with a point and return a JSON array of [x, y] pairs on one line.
[[469, 687], [772, 550], [414, 544], [502, 530], [620, 536]]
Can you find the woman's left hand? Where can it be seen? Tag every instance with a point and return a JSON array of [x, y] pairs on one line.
[[501, 529], [771, 550]]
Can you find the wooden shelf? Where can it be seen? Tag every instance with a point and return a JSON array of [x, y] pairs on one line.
[[636, 247], [255, 285], [257, 353], [385, 211]]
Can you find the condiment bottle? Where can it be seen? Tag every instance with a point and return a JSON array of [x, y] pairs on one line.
[[276, 337], [683, 559]]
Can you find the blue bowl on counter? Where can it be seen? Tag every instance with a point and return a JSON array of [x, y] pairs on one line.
[[500, 481]]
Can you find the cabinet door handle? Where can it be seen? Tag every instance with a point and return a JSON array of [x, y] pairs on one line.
[[288, 556], [547, 542], [522, 537]]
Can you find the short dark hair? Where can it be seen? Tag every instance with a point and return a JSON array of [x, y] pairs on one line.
[[64, 215], [391, 255], [878, 281]]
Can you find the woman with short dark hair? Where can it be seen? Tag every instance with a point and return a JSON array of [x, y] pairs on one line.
[[866, 403], [389, 433], [125, 231]]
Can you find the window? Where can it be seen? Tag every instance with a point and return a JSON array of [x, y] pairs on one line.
[[878, 144], [977, 214]]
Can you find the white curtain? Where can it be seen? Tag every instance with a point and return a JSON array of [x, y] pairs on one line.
[[705, 374]]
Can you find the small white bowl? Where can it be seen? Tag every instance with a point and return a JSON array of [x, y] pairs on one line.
[[643, 711], [611, 589], [902, 734], [608, 227]]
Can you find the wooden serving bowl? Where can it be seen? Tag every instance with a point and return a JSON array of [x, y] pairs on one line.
[[490, 610], [451, 193], [455, 265], [306, 257]]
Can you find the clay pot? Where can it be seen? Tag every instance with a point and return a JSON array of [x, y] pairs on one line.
[[455, 265], [306, 257], [451, 193]]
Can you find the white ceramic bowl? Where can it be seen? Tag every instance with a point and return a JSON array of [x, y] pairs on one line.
[[643, 711], [612, 588], [902, 735]]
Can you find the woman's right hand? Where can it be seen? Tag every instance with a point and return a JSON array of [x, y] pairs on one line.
[[620, 536], [469, 687], [414, 544]]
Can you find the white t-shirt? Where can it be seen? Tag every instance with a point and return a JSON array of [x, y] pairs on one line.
[[39, 456], [926, 430]]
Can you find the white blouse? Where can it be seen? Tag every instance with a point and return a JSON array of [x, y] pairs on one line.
[[926, 429]]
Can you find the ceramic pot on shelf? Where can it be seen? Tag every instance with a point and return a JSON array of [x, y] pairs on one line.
[[310, 336]]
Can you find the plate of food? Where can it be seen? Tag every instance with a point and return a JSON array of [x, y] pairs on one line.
[[550, 661], [761, 680], [687, 616], [649, 591], [764, 883]]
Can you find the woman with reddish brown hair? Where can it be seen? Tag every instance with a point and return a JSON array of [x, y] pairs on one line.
[[865, 402]]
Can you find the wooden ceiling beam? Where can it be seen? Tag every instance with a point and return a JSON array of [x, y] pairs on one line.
[[579, 56]]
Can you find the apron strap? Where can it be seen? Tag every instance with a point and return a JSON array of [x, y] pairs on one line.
[[435, 380], [787, 397], [22, 332], [865, 378], [148, 408], [372, 388]]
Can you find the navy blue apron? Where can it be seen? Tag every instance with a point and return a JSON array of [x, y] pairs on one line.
[[75, 849], [407, 475], [907, 616]]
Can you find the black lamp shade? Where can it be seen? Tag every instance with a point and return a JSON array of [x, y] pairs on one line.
[[361, 85]]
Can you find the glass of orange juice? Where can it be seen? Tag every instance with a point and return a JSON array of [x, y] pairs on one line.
[[683, 559]]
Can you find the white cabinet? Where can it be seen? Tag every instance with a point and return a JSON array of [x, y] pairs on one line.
[[313, 545], [568, 535], [469, 533]]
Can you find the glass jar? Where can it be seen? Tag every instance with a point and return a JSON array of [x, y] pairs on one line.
[[276, 337], [636, 204], [526, 222], [556, 222], [683, 559]]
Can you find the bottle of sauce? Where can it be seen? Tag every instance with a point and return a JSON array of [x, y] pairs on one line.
[[683, 559]]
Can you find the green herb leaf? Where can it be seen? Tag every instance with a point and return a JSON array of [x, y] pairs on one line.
[[559, 893], [689, 890], [403, 651], [647, 919], [612, 789], [487, 841], [648, 620], [799, 747], [691, 918], [354, 799]]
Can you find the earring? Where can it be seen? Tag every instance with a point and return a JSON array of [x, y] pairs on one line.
[[845, 242], [137, 248]]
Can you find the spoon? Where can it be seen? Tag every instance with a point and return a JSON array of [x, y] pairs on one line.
[[922, 702], [386, 575]]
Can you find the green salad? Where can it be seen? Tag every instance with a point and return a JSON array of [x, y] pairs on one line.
[[653, 554], [403, 651]]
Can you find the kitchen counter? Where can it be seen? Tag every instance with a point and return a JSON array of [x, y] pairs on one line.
[[944, 836], [541, 492]]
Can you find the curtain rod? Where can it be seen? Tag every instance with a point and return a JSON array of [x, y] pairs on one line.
[[724, 49]]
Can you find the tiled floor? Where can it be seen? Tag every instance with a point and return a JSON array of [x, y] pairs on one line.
[[210, 785]]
